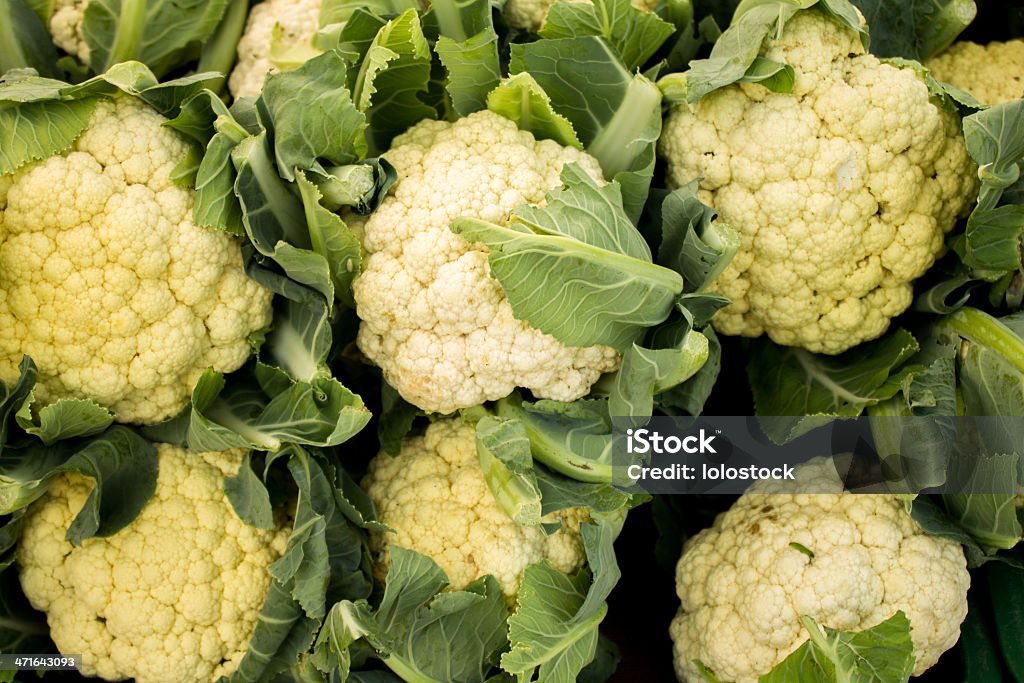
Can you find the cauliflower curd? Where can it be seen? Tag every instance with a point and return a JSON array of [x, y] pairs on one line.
[[842, 190], [992, 73], [298, 21], [436, 499], [173, 597], [105, 281], [432, 316], [66, 20], [744, 586]]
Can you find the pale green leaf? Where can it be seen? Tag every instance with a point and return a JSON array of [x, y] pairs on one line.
[[521, 99]]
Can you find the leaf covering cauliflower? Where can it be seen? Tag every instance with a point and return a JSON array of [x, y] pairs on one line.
[[849, 561], [113, 291], [841, 190], [993, 73], [433, 318], [171, 598], [436, 499], [298, 21], [531, 14]]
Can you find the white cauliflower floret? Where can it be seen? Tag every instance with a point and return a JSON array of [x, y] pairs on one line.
[[842, 190], [113, 291], [531, 14], [992, 73], [171, 598], [744, 585], [436, 499], [298, 21], [66, 27], [433, 318]]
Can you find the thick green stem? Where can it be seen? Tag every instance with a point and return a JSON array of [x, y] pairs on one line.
[[612, 146], [449, 20], [982, 328], [128, 39], [220, 52]]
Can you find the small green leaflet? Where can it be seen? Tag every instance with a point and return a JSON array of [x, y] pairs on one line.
[[321, 413], [519, 445], [333, 240], [521, 99], [614, 292], [735, 56], [693, 243], [392, 76], [206, 120], [468, 48], [881, 654], [646, 372], [689, 397], [796, 391], [249, 497], [65, 418], [995, 140]]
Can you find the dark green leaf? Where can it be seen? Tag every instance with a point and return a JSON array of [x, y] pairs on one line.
[[617, 116], [916, 30], [24, 40], [795, 390], [157, 33]]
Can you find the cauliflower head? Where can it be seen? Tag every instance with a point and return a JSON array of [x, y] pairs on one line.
[[66, 27], [171, 598], [432, 316], [841, 191], [112, 290], [531, 14], [435, 498], [743, 585], [993, 73], [298, 21]]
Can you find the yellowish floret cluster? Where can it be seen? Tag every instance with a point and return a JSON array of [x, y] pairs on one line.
[[171, 598], [113, 291]]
